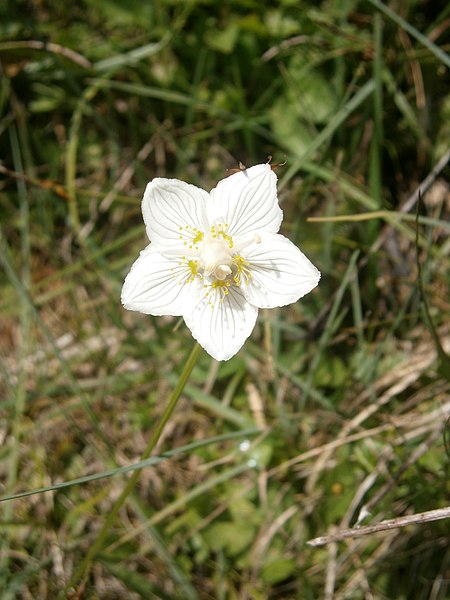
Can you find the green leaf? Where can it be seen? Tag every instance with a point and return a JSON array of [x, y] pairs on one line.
[[332, 371], [231, 536], [288, 128], [317, 99], [222, 40], [277, 570]]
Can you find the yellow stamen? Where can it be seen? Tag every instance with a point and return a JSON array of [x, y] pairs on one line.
[[243, 272]]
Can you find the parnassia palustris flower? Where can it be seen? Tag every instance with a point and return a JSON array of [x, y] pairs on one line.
[[215, 258]]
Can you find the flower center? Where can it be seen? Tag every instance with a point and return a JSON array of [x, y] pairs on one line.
[[215, 258]]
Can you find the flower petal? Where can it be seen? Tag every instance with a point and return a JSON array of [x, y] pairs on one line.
[[280, 273], [174, 212], [221, 323], [157, 285], [247, 202]]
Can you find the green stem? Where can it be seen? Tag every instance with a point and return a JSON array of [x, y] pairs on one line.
[[83, 570]]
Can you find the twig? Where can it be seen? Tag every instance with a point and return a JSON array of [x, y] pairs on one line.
[[75, 57], [330, 578], [284, 45], [425, 517]]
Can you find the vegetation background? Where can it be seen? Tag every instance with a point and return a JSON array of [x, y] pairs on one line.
[[336, 407]]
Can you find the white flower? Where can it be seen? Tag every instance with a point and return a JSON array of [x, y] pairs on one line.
[[215, 258]]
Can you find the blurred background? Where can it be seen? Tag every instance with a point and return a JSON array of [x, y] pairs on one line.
[[336, 410]]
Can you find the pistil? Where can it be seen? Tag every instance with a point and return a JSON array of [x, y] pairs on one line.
[[215, 258]]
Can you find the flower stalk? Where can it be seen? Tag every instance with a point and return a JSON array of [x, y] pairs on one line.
[[82, 572]]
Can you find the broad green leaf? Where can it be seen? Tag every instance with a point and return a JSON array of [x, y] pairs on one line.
[[277, 570]]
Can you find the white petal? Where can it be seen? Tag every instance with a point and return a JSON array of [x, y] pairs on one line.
[[247, 202], [280, 273], [173, 212], [221, 324], [157, 285]]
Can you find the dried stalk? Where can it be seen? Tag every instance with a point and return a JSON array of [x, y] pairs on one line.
[[425, 517]]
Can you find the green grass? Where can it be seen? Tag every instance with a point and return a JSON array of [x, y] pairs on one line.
[[336, 403]]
